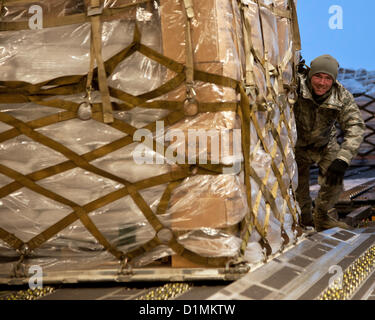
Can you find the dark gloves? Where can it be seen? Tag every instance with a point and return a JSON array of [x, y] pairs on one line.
[[302, 67], [336, 172]]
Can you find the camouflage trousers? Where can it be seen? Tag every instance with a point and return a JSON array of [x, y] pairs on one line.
[[328, 194]]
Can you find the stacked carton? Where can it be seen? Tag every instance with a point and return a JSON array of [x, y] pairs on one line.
[[207, 211]]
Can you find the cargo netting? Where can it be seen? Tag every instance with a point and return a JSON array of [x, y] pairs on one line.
[[99, 101]]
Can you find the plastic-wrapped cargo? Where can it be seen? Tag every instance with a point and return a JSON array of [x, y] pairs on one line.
[[134, 130]]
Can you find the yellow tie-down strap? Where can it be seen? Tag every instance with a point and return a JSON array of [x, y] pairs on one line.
[[21, 92]]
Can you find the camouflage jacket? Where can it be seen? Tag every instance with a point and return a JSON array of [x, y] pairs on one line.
[[315, 122]]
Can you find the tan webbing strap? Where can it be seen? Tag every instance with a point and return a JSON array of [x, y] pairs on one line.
[[267, 195], [55, 197], [275, 169], [217, 106], [114, 61], [271, 93], [290, 139], [51, 231], [282, 152], [10, 86], [90, 74], [74, 216], [78, 160], [282, 13], [31, 185], [159, 104], [215, 79], [38, 175], [123, 127], [280, 70], [96, 43], [130, 100], [10, 239], [64, 90], [47, 23], [13, 98], [177, 174], [90, 156], [276, 135], [21, 91], [170, 85], [56, 103], [146, 210], [295, 24], [70, 19], [140, 101], [62, 81], [189, 69], [211, 168], [287, 125], [26, 130], [163, 60], [39, 123], [91, 227], [165, 198], [249, 76], [149, 245], [244, 113]]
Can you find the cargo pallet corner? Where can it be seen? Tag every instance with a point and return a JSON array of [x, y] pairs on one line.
[[75, 94]]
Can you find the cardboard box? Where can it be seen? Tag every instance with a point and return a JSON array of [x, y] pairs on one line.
[[215, 42]]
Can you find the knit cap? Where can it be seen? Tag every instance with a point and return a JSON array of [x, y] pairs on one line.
[[324, 64]]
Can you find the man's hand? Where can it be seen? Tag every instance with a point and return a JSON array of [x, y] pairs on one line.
[[336, 171], [302, 67]]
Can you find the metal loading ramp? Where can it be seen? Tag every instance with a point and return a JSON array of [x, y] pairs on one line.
[[309, 270]]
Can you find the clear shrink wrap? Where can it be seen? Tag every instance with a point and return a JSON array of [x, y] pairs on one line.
[[73, 196]]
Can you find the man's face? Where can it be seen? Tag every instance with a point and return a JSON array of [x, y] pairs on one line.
[[321, 83]]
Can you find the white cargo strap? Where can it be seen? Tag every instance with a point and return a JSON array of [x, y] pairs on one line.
[[94, 11]]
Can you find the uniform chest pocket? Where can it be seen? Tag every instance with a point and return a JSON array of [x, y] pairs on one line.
[[305, 116], [327, 117]]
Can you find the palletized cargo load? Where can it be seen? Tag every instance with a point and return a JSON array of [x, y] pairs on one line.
[[146, 134]]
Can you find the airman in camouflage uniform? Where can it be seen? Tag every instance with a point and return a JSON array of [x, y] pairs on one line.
[[322, 101]]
